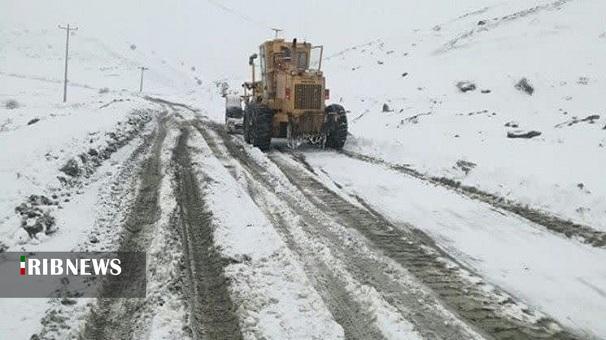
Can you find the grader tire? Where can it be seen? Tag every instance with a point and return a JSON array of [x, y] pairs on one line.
[[261, 127], [247, 123], [337, 132]]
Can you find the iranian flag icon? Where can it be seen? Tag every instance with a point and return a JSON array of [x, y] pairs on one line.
[[22, 265]]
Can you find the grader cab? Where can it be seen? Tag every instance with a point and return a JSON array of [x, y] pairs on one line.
[[288, 99]]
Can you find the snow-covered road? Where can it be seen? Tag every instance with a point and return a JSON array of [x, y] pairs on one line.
[[376, 277], [318, 244]]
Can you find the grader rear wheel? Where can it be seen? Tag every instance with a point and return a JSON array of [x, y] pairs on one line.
[[246, 123], [258, 126]]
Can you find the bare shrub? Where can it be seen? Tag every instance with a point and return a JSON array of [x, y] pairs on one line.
[[524, 86], [11, 104]]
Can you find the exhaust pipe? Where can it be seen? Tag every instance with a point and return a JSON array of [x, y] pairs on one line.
[[251, 62]]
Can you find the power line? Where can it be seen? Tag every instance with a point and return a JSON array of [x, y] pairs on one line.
[[67, 30], [239, 14]]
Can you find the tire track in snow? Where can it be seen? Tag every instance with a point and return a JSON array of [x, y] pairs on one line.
[[347, 312], [120, 192], [212, 310], [565, 228], [416, 252], [290, 216], [113, 318]]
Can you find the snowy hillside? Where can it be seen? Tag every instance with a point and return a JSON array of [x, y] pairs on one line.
[[558, 46], [39, 135]]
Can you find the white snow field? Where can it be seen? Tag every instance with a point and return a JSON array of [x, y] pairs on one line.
[[547, 271], [281, 245], [559, 46]]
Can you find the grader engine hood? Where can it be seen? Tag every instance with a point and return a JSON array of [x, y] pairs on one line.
[[308, 96], [302, 97], [301, 92]]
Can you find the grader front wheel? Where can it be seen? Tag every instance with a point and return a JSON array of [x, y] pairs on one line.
[[337, 126]]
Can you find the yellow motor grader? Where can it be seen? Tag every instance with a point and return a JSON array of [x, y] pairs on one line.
[[288, 100]]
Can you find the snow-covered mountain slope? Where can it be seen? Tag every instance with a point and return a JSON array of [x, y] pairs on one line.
[[39, 134], [39, 54], [558, 46]]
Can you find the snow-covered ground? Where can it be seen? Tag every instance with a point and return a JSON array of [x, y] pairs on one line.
[[99, 130], [398, 68], [39, 134], [559, 46], [547, 271]]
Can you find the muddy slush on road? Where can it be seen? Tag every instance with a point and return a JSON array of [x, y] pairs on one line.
[[212, 314], [212, 311]]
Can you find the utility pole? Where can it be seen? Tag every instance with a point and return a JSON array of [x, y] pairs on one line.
[[276, 30], [143, 69], [67, 30]]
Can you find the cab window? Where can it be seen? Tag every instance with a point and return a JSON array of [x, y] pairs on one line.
[[302, 61], [285, 51]]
